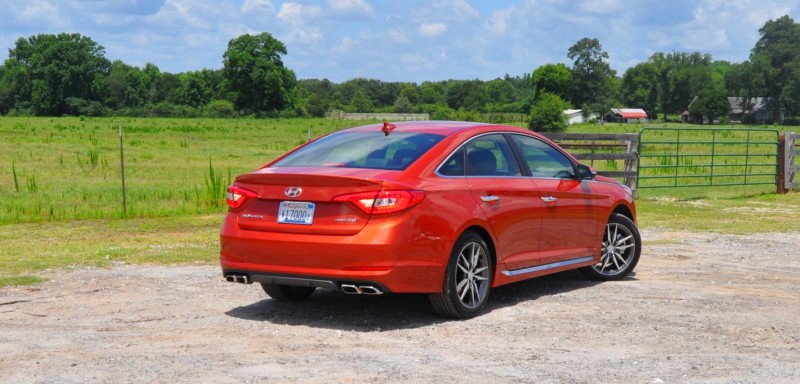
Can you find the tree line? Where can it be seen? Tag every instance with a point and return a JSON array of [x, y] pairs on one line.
[[68, 74]]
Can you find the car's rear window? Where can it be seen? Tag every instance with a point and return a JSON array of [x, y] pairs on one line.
[[362, 150]]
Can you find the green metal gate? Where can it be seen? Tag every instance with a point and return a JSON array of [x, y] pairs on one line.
[[700, 157]]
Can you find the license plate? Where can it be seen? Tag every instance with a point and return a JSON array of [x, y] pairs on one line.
[[296, 212]]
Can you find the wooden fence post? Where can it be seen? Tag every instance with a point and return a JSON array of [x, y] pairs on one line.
[[782, 163]]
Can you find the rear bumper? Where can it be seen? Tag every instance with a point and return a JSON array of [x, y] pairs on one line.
[[394, 256]]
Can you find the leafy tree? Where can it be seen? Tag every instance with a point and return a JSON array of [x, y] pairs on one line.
[[466, 94], [432, 93], [777, 58], [360, 102], [127, 86], [711, 102], [552, 78], [503, 96], [255, 74], [547, 113], [679, 77], [47, 69], [639, 87], [592, 76], [316, 105], [402, 104], [410, 93], [195, 89], [11, 80]]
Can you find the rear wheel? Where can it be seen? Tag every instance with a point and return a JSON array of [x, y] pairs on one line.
[[621, 247], [468, 279], [287, 293]]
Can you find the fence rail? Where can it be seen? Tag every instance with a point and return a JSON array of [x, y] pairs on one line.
[[606, 147]]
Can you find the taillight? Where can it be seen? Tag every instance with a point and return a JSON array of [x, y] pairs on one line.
[[238, 195], [384, 201]]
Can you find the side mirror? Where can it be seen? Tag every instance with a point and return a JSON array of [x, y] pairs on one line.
[[586, 172]]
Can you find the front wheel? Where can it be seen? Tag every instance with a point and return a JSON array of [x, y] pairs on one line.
[[468, 279], [621, 247], [287, 293]]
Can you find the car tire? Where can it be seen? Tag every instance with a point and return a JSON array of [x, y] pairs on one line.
[[287, 293], [620, 250], [467, 281]]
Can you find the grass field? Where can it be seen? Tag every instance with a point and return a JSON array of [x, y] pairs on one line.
[[61, 200]]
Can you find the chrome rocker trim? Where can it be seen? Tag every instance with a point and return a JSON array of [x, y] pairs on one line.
[[543, 267]]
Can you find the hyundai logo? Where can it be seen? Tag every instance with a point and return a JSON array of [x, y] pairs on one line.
[[293, 191]]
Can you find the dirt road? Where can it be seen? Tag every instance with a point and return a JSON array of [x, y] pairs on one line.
[[702, 308]]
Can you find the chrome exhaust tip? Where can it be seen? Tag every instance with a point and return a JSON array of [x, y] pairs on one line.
[[370, 290], [352, 289], [234, 278]]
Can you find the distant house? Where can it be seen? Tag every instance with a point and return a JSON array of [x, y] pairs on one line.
[[626, 115], [575, 116], [688, 117], [757, 110]]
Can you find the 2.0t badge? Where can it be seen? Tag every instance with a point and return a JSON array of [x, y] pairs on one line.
[[293, 191]]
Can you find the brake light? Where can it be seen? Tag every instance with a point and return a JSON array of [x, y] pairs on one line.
[[383, 202], [237, 196]]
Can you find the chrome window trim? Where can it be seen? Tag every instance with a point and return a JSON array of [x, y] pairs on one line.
[[502, 133]]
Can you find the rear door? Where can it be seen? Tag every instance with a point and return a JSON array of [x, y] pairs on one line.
[[507, 198]]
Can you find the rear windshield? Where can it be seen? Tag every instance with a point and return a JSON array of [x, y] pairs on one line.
[[362, 150]]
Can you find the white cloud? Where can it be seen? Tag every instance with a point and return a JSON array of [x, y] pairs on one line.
[[298, 14], [346, 45], [257, 6], [458, 8], [432, 29], [351, 9], [35, 12], [499, 22]]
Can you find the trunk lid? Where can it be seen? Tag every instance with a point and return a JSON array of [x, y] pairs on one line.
[[303, 203]]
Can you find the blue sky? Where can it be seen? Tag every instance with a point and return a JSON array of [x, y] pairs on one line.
[[402, 40]]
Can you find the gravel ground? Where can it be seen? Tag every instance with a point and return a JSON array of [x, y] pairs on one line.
[[701, 308]]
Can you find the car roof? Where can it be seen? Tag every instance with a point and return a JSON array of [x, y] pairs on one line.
[[438, 127]]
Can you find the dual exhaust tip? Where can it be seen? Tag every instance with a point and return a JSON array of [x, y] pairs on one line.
[[234, 278], [350, 289]]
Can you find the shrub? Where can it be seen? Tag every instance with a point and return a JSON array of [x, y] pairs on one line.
[[547, 113], [220, 108]]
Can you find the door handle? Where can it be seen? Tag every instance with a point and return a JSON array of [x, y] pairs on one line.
[[490, 199], [549, 199]]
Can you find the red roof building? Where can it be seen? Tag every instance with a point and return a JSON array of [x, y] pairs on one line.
[[625, 114]]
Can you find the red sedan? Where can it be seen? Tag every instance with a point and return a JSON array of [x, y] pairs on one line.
[[450, 209]]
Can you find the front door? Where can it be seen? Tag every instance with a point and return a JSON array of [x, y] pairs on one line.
[[569, 213]]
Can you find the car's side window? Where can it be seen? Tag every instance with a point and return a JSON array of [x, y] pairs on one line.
[[544, 160], [454, 165], [490, 155]]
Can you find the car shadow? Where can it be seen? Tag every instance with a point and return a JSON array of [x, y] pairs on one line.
[[361, 313]]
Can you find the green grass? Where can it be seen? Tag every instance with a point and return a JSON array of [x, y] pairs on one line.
[[54, 169], [61, 200], [703, 211]]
